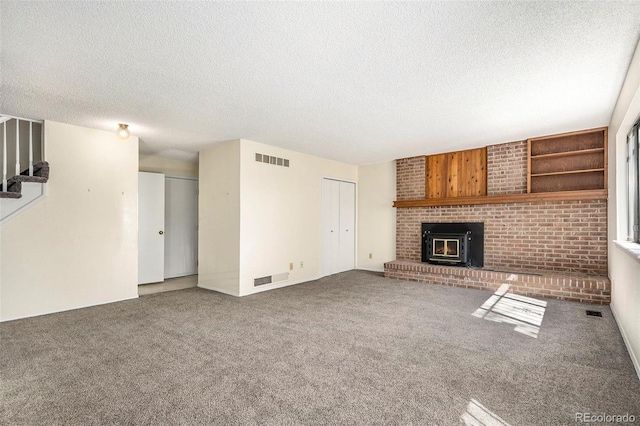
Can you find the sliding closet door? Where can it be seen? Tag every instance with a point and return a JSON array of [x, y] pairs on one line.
[[181, 227], [338, 226]]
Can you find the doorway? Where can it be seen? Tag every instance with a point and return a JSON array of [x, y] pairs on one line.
[[167, 227]]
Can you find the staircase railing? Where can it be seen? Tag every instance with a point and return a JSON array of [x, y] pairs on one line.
[[22, 143]]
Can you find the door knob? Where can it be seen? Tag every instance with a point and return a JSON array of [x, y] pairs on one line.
[[161, 232]]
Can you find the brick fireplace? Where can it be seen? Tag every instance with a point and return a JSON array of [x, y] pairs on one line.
[[566, 239]]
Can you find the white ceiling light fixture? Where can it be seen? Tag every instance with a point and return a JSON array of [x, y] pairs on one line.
[[123, 131]]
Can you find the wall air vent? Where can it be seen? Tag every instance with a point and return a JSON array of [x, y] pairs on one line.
[[262, 281], [270, 159], [270, 279]]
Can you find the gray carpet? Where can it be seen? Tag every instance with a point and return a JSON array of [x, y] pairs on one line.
[[353, 348]]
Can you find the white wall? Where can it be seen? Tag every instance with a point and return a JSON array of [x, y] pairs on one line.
[[168, 166], [624, 268], [219, 218], [376, 215], [257, 218], [281, 214], [78, 247]]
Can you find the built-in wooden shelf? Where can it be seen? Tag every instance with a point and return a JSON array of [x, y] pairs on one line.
[[568, 172], [568, 153], [575, 161], [540, 197]]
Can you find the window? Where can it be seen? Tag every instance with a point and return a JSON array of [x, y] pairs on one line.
[[633, 173]]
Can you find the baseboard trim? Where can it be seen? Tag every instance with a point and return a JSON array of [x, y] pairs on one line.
[[67, 310], [370, 269], [634, 358]]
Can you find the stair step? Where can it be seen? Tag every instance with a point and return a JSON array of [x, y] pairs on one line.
[[40, 169], [23, 178], [10, 195], [14, 185]]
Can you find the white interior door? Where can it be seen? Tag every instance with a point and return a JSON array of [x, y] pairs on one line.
[[150, 227], [338, 226], [181, 227], [334, 233], [347, 242], [326, 228]]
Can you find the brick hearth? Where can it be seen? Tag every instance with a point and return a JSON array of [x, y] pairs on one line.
[[589, 289]]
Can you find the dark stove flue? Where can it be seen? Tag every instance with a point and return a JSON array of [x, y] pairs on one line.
[[458, 244]]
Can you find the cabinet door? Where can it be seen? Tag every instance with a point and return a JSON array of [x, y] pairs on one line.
[[181, 227], [150, 227], [347, 244]]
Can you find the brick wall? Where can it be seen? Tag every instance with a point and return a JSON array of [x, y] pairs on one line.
[[411, 178], [507, 168], [567, 236], [564, 236]]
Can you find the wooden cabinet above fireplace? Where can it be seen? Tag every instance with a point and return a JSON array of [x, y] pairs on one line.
[[456, 174], [573, 161]]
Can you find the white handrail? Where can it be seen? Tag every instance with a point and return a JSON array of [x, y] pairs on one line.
[[2, 116]]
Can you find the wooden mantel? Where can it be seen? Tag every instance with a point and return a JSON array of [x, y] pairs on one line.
[[539, 197]]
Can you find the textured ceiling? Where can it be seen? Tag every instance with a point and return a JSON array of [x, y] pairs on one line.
[[352, 81]]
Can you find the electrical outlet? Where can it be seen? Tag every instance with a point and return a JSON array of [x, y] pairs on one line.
[[370, 255], [301, 264], [291, 266]]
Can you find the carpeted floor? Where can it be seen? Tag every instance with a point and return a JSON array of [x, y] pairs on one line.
[[353, 348]]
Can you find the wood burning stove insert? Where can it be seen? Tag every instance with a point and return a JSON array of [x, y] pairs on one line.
[[447, 248], [456, 244]]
